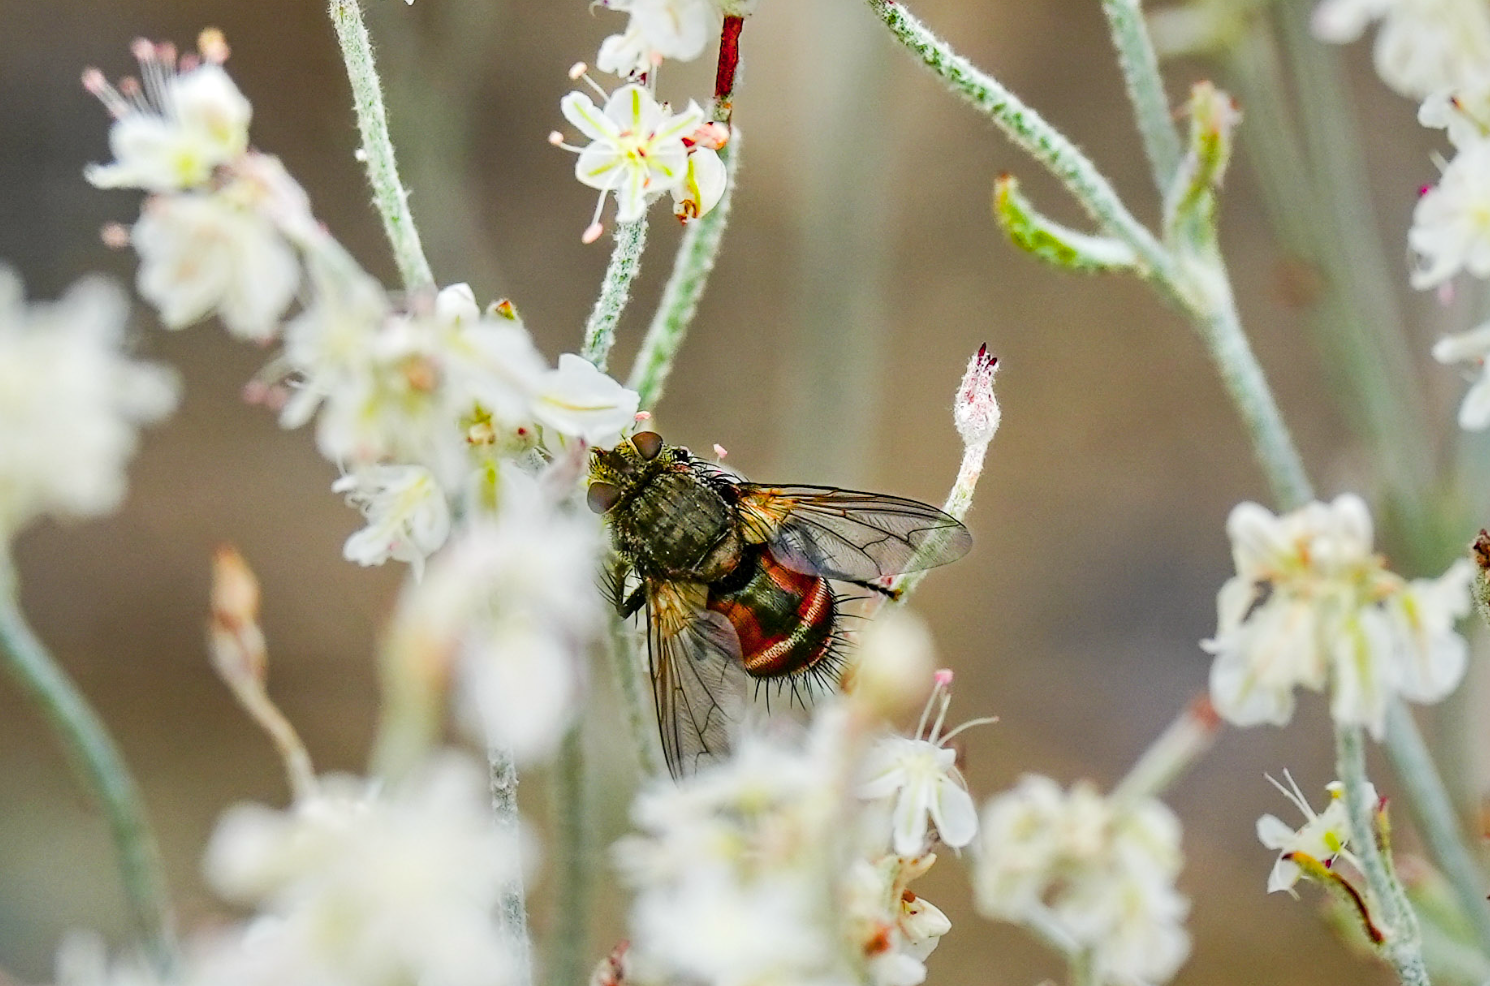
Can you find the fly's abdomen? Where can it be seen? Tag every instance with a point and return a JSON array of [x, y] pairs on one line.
[[784, 619]]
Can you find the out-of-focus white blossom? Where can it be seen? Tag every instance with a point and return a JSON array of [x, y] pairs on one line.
[[1421, 46], [579, 401], [658, 29], [365, 884], [1099, 871], [172, 129], [893, 663], [408, 517], [71, 402], [1451, 221], [205, 253], [919, 777], [513, 601], [1322, 837], [636, 148], [1462, 112], [896, 928], [1312, 604]]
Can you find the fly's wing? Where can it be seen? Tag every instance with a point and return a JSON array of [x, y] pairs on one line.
[[698, 677], [845, 534]]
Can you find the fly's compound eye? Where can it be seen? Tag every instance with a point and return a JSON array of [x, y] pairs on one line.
[[648, 443], [603, 496]]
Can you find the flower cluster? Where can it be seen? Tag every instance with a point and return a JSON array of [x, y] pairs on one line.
[[418, 400], [1096, 872], [71, 401], [1422, 46], [793, 862], [1312, 605]]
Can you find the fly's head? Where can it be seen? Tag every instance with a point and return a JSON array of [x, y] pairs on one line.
[[616, 474]]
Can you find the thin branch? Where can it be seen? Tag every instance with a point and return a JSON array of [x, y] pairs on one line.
[[389, 195], [513, 907], [615, 291], [571, 931], [1135, 49]]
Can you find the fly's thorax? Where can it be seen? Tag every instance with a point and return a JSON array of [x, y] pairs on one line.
[[675, 524]]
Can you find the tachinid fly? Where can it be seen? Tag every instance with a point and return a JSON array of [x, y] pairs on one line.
[[735, 576]]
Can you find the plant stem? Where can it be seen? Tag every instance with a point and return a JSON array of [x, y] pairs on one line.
[[513, 909], [1402, 946], [571, 816], [1084, 968], [698, 252], [101, 770], [389, 195], [615, 291], [640, 716], [1433, 812], [1161, 141], [723, 106]]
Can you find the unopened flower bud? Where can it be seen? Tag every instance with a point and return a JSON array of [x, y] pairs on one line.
[[237, 642], [895, 664], [976, 410]]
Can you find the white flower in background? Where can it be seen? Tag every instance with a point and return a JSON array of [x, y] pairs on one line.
[[408, 517], [1101, 872], [205, 253], [513, 603], [1422, 45], [70, 402], [897, 928], [658, 29], [361, 883], [637, 147], [1463, 112], [1473, 348], [1322, 837], [172, 129], [1451, 221], [579, 401], [919, 777], [1312, 604]]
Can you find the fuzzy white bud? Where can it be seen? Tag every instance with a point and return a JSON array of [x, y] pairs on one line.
[[976, 410]]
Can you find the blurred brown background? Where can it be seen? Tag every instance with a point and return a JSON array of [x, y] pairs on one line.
[[861, 270]]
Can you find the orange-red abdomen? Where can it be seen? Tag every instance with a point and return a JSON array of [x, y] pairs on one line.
[[784, 619]]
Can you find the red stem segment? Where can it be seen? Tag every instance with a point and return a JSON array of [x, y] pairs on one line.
[[729, 64]]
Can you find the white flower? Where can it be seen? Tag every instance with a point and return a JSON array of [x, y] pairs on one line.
[[201, 253], [703, 185], [179, 128], [1451, 221], [636, 150], [513, 602], [1322, 837], [1463, 112], [1099, 871], [579, 401], [897, 928], [920, 775], [408, 517], [1312, 604], [70, 402], [658, 29], [1472, 347], [364, 884], [1422, 45]]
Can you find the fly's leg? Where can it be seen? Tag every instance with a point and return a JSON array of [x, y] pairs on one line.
[[891, 594], [628, 607]]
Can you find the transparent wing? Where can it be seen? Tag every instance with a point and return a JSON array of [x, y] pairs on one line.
[[698, 678], [845, 534]]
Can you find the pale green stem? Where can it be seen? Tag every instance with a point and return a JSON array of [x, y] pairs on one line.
[[1402, 947], [1024, 127], [571, 931], [1168, 757], [1436, 820], [958, 502], [697, 254], [640, 715], [615, 290], [1084, 969], [100, 769], [513, 904], [1135, 49], [389, 196]]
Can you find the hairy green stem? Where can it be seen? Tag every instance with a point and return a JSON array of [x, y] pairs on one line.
[[100, 769], [513, 905], [615, 290], [571, 933], [698, 252], [1135, 49], [1433, 811], [389, 196], [640, 715], [1402, 946]]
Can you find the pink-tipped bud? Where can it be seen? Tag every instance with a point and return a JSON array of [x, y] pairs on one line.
[[592, 233], [578, 69], [943, 678], [555, 138], [142, 49], [712, 135], [237, 642], [720, 451], [976, 410], [94, 81], [643, 416], [115, 236], [213, 45]]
